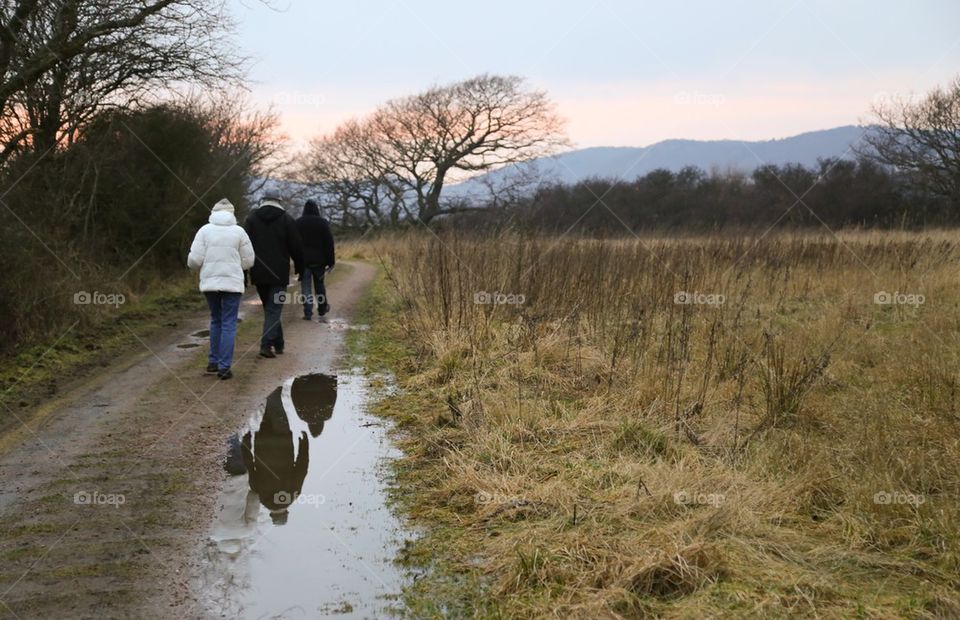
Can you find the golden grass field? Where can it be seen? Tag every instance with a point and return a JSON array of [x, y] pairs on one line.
[[715, 426]]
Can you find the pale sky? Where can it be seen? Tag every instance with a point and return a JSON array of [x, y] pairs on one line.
[[622, 73]]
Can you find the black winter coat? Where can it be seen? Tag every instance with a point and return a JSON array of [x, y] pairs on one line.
[[275, 241], [318, 250]]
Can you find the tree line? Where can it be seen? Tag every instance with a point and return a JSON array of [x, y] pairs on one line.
[[110, 152], [837, 193]]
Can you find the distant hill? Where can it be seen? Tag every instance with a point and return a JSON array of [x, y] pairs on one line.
[[627, 163]]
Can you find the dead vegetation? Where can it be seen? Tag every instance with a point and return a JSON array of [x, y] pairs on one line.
[[683, 427]]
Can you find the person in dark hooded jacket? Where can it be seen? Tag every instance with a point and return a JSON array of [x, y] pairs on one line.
[[276, 241], [319, 257]]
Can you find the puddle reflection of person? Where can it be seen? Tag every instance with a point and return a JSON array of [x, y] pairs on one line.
[[276, 472], [237, 523], [314, 397]]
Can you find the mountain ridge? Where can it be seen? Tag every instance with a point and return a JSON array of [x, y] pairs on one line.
[[627, 163]]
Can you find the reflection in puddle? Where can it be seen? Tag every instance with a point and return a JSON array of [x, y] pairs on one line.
[[303, 527], [313, 398], [275, 459]]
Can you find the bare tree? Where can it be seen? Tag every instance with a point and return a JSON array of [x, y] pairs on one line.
[[348, 170], [922, 139], [409, 149], [62, 60]]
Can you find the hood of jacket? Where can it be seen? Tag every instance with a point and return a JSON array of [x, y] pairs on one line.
[[311, 208], [223, 218], [269, 212]]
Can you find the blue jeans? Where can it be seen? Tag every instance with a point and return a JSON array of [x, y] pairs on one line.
[[272, 298], [313, 281], [223, 327]]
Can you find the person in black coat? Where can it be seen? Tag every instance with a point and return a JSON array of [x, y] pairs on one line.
[[319, 257], [276, 241]]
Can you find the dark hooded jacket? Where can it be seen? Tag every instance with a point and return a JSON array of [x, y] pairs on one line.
[[318, 250], [275, 241]]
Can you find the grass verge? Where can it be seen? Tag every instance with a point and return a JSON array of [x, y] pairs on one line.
[[39, 372], [447, 586]]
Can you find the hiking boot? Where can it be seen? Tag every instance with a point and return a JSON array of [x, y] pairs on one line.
[[308, 318], [278, 351], [212, 367], [266, 353], [225, 374]]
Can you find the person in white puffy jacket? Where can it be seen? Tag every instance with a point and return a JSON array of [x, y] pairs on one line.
[[221, 251]]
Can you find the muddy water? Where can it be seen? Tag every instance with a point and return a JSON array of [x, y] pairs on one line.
[[303, 530]]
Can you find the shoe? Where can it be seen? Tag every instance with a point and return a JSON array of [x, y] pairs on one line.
[[278, 351], [212, 367], [225, 374], [308, 318], [266, 353]]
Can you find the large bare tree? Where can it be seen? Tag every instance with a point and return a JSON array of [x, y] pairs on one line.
[[62, 60], [922, 139], [409, 149]]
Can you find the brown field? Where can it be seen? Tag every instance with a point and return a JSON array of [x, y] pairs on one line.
[[590, 447]]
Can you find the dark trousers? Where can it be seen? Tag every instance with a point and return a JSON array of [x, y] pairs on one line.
[[314, 290], [272, 298]]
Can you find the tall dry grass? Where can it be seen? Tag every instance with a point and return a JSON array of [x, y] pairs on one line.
[[785, 445]]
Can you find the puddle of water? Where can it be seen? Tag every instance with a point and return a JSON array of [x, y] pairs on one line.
[[342, 325], [303, 529], [188, 345], [203, 333]]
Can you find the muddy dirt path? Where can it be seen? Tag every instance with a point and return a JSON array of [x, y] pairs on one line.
[[108, 496]]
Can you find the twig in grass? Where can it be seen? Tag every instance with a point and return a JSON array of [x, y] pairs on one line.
[[642, 485]]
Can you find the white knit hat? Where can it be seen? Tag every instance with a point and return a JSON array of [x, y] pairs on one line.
[[223, 205]]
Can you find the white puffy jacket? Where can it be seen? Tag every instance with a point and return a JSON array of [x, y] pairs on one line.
[[221, 251]]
